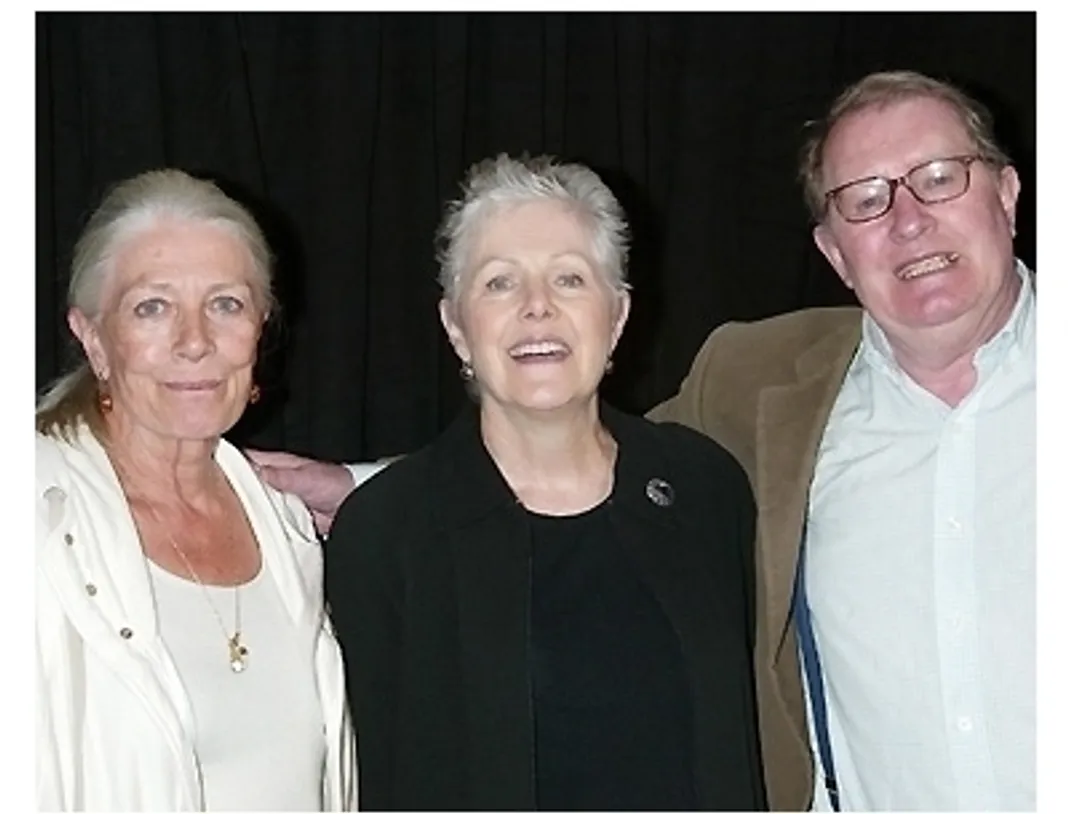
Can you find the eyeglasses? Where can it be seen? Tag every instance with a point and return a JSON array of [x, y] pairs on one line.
[[937, 181]]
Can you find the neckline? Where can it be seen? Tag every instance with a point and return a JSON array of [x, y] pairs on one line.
[[156, 569], [585, 514]]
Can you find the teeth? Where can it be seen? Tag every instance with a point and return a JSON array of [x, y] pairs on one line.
[[538, 349], [928, 265]]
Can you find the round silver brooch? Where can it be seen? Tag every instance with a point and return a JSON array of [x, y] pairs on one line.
[[660, 492]]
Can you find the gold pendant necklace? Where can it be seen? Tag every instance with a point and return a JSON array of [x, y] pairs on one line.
[[238, 652]]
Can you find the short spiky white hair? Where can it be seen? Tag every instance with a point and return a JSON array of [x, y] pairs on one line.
[[504, 181]]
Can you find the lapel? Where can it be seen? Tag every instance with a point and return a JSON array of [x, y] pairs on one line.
[[284, 548], [489, 549], [789, 425], [489, 542], [651, 533]]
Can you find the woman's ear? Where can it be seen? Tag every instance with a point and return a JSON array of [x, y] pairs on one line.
[[622, 313], [447, 310], [88, 335]]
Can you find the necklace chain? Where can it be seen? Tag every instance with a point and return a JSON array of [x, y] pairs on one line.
[[238, 652]]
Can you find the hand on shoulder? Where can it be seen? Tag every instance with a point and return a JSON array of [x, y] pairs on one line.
[[322, 485]]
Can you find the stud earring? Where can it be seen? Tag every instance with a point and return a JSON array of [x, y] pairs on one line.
[[609, 365], [254, 394], [467, 373]]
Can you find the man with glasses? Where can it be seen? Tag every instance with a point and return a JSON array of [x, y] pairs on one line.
[[892, 453]]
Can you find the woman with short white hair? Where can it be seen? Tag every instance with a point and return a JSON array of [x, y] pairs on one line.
[[550, 606]]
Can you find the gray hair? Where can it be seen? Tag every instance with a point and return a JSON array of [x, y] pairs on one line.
[[881, 89], [495, 183], [127, 209]]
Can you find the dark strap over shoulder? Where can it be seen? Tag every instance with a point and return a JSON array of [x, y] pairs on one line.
[[814, 677]]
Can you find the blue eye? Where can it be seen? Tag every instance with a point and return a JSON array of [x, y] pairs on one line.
[[870, 203], [152, 307], [500, 282], [940, 180], [572, 279], [228, 304]]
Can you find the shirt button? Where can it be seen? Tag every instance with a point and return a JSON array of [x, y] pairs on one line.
[[954, 524], [68, 539], [126, 633], [964, 723], [90, 589]]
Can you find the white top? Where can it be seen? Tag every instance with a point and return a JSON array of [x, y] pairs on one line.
[[114, 722], [237, 717], [921, 581], [364, 471]]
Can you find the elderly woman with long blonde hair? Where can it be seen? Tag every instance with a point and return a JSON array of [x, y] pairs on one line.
[[550, 606], [184, 659]]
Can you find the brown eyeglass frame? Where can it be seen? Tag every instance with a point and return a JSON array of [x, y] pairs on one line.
[[902, 181]]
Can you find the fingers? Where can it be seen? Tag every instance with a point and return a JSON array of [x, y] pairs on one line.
[[274, 458], [322, 522], [281, 478]]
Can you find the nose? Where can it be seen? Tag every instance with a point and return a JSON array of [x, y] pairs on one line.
[[194, 337], [909, 218], [537, 300]]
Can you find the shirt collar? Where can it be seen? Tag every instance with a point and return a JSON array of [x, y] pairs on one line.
[[1016, 333]]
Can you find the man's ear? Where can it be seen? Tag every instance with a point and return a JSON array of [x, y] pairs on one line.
[[828, 246], [447, 311], [1009, 192], [88, 335]]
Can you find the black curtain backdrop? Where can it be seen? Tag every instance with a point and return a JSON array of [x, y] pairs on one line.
[[347, 132]]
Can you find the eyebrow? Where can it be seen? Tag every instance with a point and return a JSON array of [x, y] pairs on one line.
[[510, 261], [915, 165], [161, 286]]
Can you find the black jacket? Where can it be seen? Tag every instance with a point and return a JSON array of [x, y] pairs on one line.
[[427, 575]]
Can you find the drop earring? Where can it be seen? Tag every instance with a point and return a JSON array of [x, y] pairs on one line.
[[103, 396]]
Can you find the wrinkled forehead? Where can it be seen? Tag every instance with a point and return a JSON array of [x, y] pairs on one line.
[[170, 250], [890, 138], [528, 231]]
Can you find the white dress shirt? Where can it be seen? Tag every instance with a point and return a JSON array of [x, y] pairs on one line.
[[920, 561]]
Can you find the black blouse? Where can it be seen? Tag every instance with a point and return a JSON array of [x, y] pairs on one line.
[[612, 698]]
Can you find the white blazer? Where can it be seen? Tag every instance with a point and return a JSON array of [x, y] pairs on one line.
[[113, 721]]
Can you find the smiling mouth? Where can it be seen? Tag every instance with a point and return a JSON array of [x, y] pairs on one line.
[[192, 387], [549, 350], [931, 264]]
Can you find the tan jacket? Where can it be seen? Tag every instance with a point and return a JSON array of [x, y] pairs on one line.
[[764, 390]]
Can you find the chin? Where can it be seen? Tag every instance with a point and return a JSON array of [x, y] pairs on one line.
[[940, 314], [203, 429], [549, 402], [933, 309], [197, 434]]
